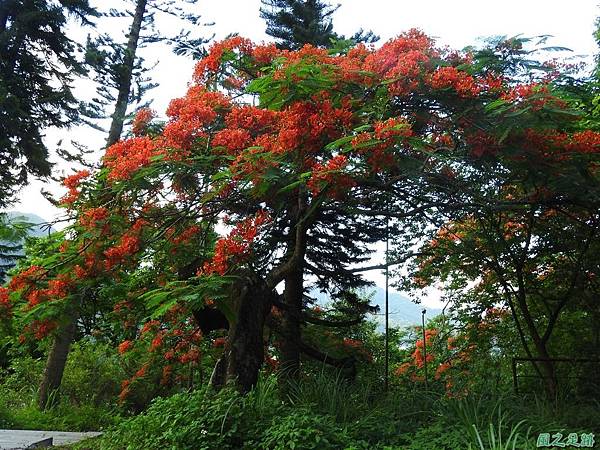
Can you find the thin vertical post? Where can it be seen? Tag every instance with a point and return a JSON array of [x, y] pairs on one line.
[[424, 347], [387, 309], [514, 374]]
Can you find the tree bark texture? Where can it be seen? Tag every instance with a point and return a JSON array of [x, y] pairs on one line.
[[55, 364], [244, 352], [118, 117]]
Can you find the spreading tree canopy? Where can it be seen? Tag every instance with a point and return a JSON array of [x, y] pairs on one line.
[[275, 146]]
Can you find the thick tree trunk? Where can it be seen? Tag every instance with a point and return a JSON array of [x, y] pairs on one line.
[[547, 368], [55, 364], [118, 117], [244, 352], [291, 327], [246, 339]]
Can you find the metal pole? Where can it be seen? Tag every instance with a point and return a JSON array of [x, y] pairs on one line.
[[424, 347], [387, 314], [514, 374]]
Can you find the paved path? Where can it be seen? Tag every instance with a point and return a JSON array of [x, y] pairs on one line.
[[23, 439]]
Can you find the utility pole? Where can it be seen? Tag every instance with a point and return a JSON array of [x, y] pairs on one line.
[[387, 310], [423, 312]]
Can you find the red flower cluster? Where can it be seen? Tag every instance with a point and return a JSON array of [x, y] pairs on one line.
[[587, 141], [186, 235], [126, 157], [234, 248], [396, 127], [190, 116], [234, 140], [166, 375], [380, 146], [149, 326], [39, 329], [5, 303], [452, 78], [357, 347], [264, 54], [482, 143], [72, 182], [220, 342], [59, 287], [251, 119], [128, 246], [440, 361], [210, 64], [125, 346], [535, 95], [27, 278], [141, 121], [559, 146], [331, 175], [90, 218], [157, 342], [176, 336], [401, 61]]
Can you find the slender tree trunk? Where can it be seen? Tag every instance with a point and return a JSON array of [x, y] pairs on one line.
[[118, 117], [55, 364]]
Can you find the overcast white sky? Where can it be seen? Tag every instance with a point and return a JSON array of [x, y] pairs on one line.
[[456, 23]]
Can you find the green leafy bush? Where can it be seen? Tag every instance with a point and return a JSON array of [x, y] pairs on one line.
[[302, 429], [93, 374], [200, 420], [87, 394], [436, 436], [5, 421]]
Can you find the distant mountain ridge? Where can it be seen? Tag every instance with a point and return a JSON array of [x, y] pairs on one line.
[[403, 311], [38, 229]]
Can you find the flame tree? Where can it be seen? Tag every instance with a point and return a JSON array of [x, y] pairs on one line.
[[289, 152]]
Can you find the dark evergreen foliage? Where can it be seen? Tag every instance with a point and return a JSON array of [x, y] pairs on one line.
[[37, 65], [121, 74], [295, 23]]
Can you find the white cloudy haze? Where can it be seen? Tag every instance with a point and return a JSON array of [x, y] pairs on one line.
[[456, 23]]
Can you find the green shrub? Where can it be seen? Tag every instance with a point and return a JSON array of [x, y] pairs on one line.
[[64, 417], [200, 420], [93, 374], [436, 436], [375, 427], [19, 384], [302, 429], [87, 395], [329, 393], [5, 420]]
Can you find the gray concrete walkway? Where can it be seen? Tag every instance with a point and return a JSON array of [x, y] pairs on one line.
[[23, 439]]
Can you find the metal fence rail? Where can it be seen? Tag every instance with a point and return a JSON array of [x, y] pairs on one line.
[[518, 359]]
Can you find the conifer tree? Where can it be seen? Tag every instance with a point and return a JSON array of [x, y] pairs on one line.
[[295, 23], [121, 74], [37, 66]]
